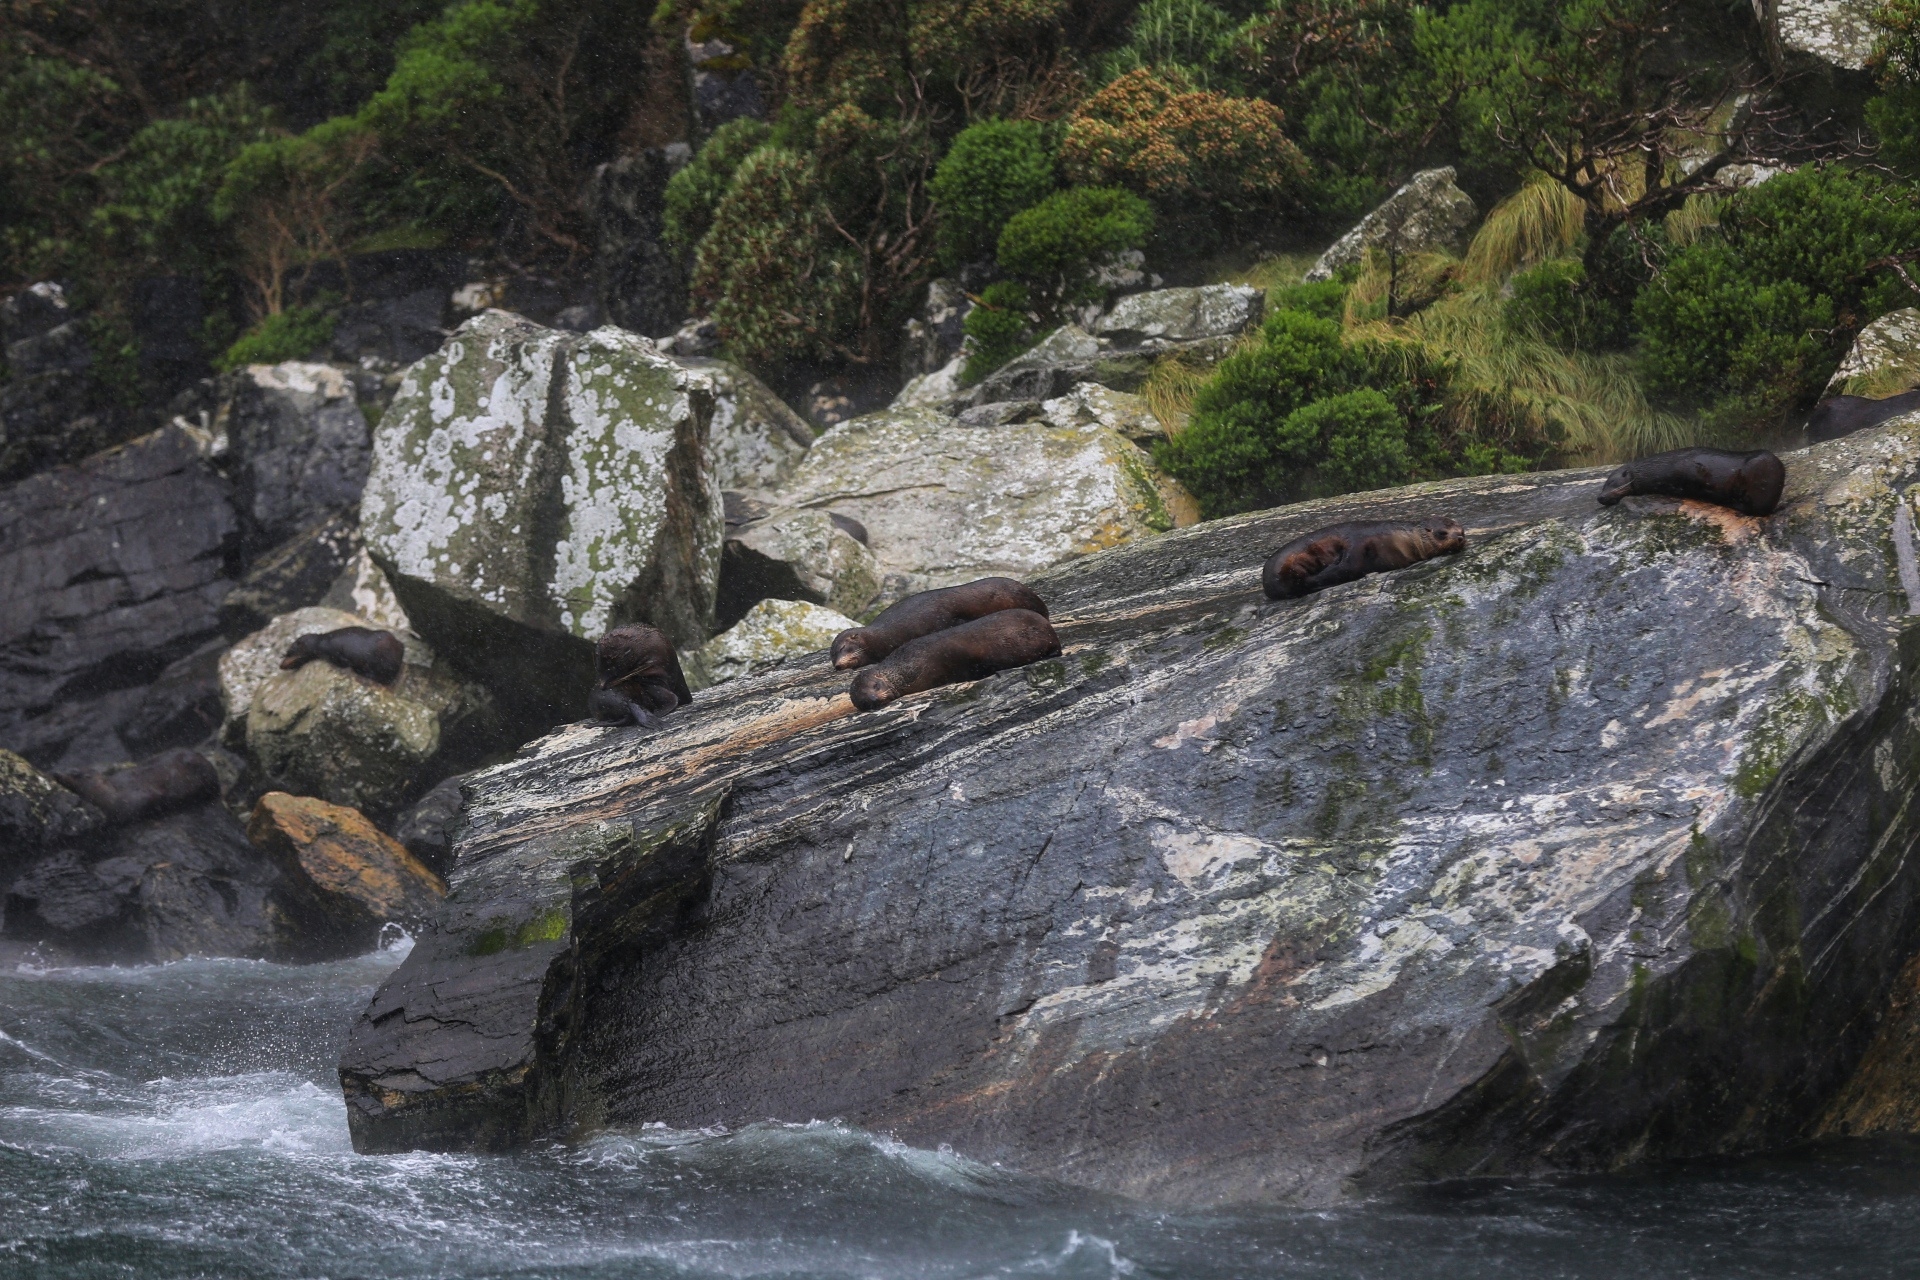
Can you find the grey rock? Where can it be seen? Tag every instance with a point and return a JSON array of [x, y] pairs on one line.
[[1428, 213], [1838, 32], [427, 826], [1172, 317], [754, 441], [1000, 413], [797, 555], [696, 337], [1884, 359], [771, 632], [37, 813], [112, 569], [932, 337], [641, 282], [299, 572], [181, 708], [298, 448], [1582, 849], [720, 89]]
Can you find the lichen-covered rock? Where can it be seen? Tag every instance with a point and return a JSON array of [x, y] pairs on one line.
[[297, 448], [323, 731], [1884, 359], [362, 877], [772, 632], [1092, 405], [36, 813], [932, 337], [755, 441], [1838, 32], [796, 555], [1169, 317], [1428, 213], [363, 590], [944, 505], [1590, 846], [936, 389], [531, 488]]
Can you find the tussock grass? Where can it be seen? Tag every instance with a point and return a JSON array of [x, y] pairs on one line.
[[1693, 219], [1174, 381], [1540, 221], [1518, 385], [1276, 272]]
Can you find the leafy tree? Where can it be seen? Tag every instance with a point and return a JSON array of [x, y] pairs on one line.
[[1192, 39], [1752, 320], [1058, 245], [287, 200], [993, 170]]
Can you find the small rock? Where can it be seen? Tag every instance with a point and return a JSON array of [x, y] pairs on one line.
[[1092, 405], [426, 826], [362, 877], [1838, 32], [363, 590], [938, 390], [1428, 213], [696, 337], [1884, 359], [772, 632], [1171, 316], [932, 338], [36, 813]]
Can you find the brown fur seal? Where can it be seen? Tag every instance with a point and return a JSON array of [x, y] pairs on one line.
[[1750, 483], [171, 780], [1839, 416], [928, 612], [640, 677], [970, 651], [377, 655], [1343, 552]]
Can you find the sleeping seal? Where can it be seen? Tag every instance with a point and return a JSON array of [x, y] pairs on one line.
[[377, 655], [1344, 552], [640, 677], [970, 651], [171, 780], [928, 612], [1750, 483]]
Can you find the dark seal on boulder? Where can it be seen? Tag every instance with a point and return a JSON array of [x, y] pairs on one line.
[[171, 780], [1344, 552], [970, 651], [1843, 415], [377, 655], [1750, 483], [928, 612], [640, 677]]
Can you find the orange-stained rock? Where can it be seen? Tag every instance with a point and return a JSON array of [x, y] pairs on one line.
[[364, 877]]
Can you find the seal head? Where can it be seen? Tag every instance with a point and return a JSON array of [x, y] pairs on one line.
[[640, 677], [926, 612]]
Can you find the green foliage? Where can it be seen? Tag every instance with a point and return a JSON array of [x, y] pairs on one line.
[[293, 334], [696, 191], [1325, 299], [999, 328], [1554, 301], [1365, 435], [1057, 245], [59, 126], [993, 170], [1895, 115], [1751, 322], [779, 285], [1192, 38]]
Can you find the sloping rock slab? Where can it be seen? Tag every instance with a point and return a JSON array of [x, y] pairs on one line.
[[1592, 845]]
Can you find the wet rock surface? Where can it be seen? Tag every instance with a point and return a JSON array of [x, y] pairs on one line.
[[297, 448], [362, 877], [1588, 846]]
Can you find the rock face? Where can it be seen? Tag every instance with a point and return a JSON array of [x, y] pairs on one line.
[[1429, 212], [1591, 845], [294, 575], [47, 409], [772, 632], [641, 283], [755, 440], [37, 813], [112, 569], [944, 505], [363, 878], [1838, 32], [297, 448], [796, 555], [531, 488]]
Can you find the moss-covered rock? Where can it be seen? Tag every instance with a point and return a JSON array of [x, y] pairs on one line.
[[772, 632]]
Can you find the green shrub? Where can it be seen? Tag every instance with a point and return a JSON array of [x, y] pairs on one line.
[[1189, 37], [1751, 321], [1323, 298], [1895, 114], [696, 191], [993, 170], [1057, 245], [998, 327], [1365, 436], [291, 335], [1554, 301]]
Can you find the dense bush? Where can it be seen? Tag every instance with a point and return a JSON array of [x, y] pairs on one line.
[[998, 327], [1058, 245], [1555, 301], [292, 334], [1750, 321], [696, 191], [993, 170], [1191, 38], [1895, 114], [1180, 145]]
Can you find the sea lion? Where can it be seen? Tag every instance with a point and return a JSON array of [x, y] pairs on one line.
[[1343, 552], [1839, 416], [1750, 483], [1007, 638], [640, 677], [171, 780], [928, 612], [377, 655]]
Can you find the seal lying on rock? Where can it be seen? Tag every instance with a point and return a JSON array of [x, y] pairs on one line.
[[1843, 415], [640, 677], [171, 780], [377, 655], [970, 651], [1750, 483], [1343, 552], [928, 612]]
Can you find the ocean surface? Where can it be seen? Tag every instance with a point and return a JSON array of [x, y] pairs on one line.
[[183, 1120]]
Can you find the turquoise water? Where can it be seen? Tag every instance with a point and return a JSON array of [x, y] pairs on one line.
[[182, 1121]]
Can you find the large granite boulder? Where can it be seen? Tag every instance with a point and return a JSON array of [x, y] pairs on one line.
[[297, 448], [1428, 213], [943, 504], [112, 569], [1587, 847], [772, 632], [323, 731], [363, 878], [1839, 33], [531, 488]]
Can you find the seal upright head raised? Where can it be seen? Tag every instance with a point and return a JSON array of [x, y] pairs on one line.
[[377, 655], [1750, 482], [970, 651], [171, 780], [930, 611], [1343, 552], [640, 677]]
